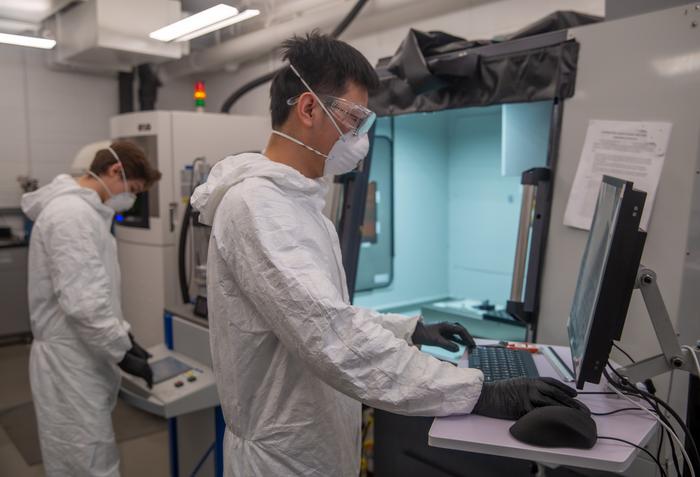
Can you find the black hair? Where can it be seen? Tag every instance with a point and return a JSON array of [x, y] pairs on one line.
[[325, 63]]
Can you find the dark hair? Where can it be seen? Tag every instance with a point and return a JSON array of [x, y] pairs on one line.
[[134, 161], [326, 64]]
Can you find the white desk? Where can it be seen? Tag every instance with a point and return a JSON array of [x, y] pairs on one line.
[[491, 436]]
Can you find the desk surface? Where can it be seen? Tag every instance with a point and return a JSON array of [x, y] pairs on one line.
[[491, 436]]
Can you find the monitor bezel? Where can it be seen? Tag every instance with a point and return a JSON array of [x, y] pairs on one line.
[[619, 278]]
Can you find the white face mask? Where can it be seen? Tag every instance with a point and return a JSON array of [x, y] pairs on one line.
[[344, 156], [122, 201]]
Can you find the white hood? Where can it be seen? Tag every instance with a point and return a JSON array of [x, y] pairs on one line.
[[235, 169], [34, 202]]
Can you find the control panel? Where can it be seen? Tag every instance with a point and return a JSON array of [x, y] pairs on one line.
[[180, 385]]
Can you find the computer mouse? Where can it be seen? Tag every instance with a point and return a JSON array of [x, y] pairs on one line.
[[556, 426]]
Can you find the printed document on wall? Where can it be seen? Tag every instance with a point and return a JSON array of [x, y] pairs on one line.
[[629, 150]]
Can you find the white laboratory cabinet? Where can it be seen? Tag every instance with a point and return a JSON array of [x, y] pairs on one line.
[[147, 234]]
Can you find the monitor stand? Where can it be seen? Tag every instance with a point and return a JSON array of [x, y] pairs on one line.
[[672, 355]]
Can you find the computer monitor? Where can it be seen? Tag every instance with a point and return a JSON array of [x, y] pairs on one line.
[[606, 278]]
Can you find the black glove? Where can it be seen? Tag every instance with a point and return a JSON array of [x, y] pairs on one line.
[[137, 366], [137, 349], [444, 335], [513, 398]]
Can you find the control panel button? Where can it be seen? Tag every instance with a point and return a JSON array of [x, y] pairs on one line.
[[192, 378], [179, 384]]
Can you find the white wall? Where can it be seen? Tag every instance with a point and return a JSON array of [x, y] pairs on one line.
[[479, 22], [671, 248], [45, 117], [177, 96]]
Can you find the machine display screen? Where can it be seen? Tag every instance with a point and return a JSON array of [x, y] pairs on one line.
[[167, 368]]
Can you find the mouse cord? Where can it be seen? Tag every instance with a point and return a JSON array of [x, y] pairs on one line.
[[656, 461], [617, 410], [689, 436], [635, 392], [671, 433], [624, 352], [614, 387]]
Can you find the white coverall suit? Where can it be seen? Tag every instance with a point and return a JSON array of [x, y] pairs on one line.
[[292, 358], [79, 332]]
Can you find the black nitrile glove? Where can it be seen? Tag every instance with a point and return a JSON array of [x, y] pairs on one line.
[[513, 398], [137, 349], [137, 366], [444, 335]]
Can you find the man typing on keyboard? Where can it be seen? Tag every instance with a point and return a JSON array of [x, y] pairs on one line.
[[293, 358]]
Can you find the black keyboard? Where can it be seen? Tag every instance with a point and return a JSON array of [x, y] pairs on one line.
[[502, 363]]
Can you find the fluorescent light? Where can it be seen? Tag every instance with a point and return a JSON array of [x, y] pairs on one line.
[[31, 41], [194, 23], [217, 26], [34, 6]]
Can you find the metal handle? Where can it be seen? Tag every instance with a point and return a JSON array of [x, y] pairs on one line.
[[172, 212], [521, 248]]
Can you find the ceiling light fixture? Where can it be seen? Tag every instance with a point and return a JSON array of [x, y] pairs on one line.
[[201, 23], [244, 15], [31, 41]]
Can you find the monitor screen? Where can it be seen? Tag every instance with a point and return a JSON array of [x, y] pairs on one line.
[[590, 276], [606, 277]]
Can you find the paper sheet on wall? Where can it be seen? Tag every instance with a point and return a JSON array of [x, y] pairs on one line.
[[629, 150]]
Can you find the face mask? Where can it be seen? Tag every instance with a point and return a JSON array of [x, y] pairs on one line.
[[346, 154], [348, 150], [343, 157], [122, 201]]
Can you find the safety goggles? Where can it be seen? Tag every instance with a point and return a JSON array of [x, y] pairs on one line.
[[356, 118]]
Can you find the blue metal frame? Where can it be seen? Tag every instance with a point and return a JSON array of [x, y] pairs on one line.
[[220, 426], [219, 423], [172, 422], [172, 438], [168, 329]]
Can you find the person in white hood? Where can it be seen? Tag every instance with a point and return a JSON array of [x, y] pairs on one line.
[[80, 335], [293, 359]]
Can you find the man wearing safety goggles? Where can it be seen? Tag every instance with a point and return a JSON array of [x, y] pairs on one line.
[[350, 119], [293, 358]]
